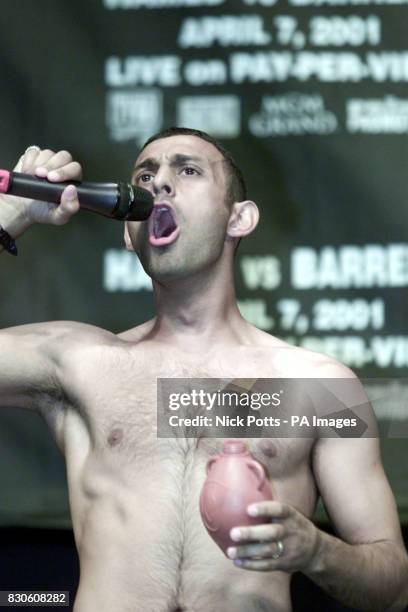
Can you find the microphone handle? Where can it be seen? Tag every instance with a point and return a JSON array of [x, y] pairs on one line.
[[114, 200]]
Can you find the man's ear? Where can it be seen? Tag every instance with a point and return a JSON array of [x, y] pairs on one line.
[[243, 219], [128, 242]]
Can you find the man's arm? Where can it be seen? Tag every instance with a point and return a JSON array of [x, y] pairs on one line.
[[28, 363], [367, 568], [33, 359], [27, 368], [18, 214]]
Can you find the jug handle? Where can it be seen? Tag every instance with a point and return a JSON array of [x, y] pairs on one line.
[[258, 471], [210, 463]]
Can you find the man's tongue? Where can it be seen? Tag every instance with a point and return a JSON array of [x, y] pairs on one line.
[[164, 223]]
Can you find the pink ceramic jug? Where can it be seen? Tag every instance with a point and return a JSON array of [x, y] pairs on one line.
[[234, 480]]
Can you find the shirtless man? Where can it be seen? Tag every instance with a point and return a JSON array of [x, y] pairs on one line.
[[134, 496]]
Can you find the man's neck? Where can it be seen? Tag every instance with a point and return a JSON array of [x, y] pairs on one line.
[[198, 312]]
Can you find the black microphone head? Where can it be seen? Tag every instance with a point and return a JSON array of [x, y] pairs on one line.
[[135, 203]]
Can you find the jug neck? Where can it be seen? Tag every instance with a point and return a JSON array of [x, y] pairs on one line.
[[234, 447]]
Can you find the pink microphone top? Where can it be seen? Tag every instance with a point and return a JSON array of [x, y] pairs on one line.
[[4, 181]]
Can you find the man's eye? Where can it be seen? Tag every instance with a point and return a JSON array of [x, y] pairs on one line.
[[144, 178], [189, 170]]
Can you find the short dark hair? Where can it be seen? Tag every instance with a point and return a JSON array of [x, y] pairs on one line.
[[236, 187]]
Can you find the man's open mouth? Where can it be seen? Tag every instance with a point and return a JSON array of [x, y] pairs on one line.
[[163, 228]]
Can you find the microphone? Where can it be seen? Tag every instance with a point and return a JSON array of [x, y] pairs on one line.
[[114, 200]]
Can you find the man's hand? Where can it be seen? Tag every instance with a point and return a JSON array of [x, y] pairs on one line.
[[17, 214], [298, 536]]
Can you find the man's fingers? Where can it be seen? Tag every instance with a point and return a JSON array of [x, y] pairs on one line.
[[261, 533], [273, 509], [53, 163], [55, 167], [19, 165], [69, 206], [43, 158], [28, 158], [71, 171], [265, 565], [33, 157], [253, 551]]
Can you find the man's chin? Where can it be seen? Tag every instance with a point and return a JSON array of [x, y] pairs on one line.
[[165, 276], [163, 271], [174, 264]]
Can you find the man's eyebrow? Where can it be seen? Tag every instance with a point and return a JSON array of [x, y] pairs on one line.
[[178, 159], [150, 163]]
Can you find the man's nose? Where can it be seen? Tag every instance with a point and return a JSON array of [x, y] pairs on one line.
[[163, 182]]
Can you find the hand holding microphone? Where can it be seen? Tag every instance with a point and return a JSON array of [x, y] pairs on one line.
[[121, 201], [57, 181]]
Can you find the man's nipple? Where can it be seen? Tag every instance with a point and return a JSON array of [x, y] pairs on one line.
[[268, 447], [115, 436]]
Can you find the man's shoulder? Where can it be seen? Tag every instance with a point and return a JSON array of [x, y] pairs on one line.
[[317, 365], [88, 334], [75, 342], [77, 331], [62, 338], [137, 333], [301, 362]]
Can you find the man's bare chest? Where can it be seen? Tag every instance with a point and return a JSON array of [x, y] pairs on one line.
[[115, 403]]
